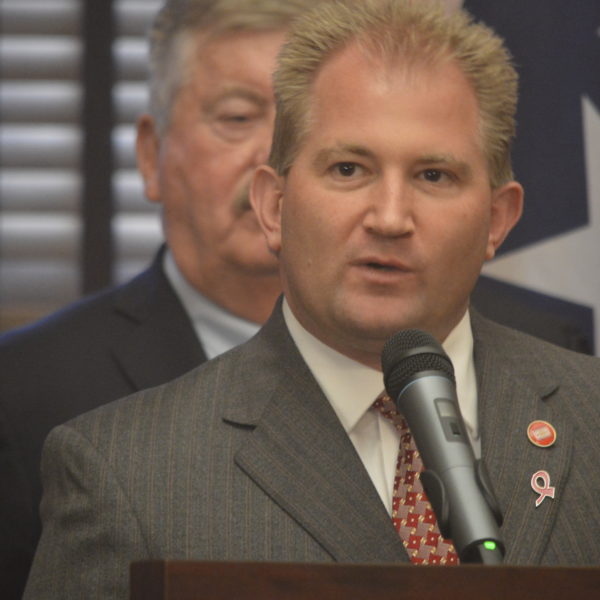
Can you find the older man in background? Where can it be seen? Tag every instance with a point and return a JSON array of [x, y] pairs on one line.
[[208, 289]]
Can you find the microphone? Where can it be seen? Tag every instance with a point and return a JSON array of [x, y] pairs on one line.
[[419, 377]]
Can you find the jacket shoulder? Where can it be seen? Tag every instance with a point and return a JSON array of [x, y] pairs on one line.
[[87, 316], [539, 362]]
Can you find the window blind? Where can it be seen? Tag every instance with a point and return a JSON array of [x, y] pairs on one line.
[[40, 140], [136, 223], [41, 145]]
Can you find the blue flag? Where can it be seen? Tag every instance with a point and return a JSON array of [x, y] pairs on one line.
[[553, 255]]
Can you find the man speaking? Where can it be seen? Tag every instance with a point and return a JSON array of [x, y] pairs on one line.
[[388, 186]]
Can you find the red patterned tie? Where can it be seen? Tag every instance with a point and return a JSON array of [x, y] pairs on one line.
[[412, 513]]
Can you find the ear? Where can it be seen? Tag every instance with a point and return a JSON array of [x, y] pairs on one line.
[[506, 210], [266, 195], [147, 148]]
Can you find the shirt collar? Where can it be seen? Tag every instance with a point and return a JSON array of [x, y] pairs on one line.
[[351, 387], [217, 329], [459, 348]]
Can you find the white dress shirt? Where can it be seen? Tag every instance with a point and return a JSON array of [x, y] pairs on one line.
[[217, 329], [351, 388]]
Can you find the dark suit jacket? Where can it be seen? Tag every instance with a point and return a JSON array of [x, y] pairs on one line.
[[557, 321], [244, 458], [95, 351]]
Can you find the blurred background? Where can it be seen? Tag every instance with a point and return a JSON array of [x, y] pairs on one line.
[[72, 214]]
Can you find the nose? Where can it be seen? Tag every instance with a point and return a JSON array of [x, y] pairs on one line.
[[390, 212]]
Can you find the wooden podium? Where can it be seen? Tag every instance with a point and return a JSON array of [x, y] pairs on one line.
[[181, 580]]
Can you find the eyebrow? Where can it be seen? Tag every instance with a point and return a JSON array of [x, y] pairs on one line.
[[237, 92], [345, 151], [338, 152], [446, 159]]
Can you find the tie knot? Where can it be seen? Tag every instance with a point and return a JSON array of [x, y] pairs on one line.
[[387, 407]]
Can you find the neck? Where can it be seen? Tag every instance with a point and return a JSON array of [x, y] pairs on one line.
[[250, 296]]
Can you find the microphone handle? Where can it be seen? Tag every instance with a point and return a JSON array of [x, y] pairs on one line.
[[452, 479]]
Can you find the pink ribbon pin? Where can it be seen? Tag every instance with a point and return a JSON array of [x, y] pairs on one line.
[[543, 490]]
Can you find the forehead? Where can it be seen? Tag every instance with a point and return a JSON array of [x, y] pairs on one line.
[[352, 66], [365, 96], [232, 53], [207, 43]]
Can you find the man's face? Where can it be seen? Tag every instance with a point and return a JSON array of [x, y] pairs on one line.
[[386, 216], [219, 131]]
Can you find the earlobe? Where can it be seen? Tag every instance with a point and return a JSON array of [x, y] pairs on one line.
[[147, 151], [506, 210], [266, 196]]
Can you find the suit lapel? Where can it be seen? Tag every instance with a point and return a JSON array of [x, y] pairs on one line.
[[513, 392], [160, 343], [300, 455]]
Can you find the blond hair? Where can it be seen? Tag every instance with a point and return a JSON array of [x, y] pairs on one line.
[[413, 32], [177, 24]]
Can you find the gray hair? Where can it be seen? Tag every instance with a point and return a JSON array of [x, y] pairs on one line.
[[173, 32]]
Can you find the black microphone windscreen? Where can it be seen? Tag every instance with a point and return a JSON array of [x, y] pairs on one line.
[[409, 352]]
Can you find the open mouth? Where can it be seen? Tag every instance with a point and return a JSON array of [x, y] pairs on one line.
[[380, 267]]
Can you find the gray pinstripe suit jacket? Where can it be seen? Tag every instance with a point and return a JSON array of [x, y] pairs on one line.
[[243, 458]]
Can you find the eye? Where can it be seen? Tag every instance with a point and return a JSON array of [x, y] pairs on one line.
[[345, 169], [235, 127], [438, 178], [347, 173], [236, 119], [434, 175]]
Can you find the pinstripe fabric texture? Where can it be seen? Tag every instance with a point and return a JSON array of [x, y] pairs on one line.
[[243, 458]]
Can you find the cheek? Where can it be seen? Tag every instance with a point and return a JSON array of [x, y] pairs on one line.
[[301, 232], [462, 239], [177, 170], [473, 220]]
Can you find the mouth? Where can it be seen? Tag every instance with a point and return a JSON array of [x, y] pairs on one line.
[[383, 271], [381, 267], [389, 265]]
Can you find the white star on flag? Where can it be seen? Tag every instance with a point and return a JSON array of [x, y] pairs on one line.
[[566, 266]]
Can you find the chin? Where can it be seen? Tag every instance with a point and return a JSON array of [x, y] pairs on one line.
[[375, 329], [383, 317], [260, 266], [253, 255]]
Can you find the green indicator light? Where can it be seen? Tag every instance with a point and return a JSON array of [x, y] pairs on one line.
[[489, 545]]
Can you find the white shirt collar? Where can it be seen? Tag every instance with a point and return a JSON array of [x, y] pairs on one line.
[[349, 386], [217, 329], [352, 387], [459, 348]]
